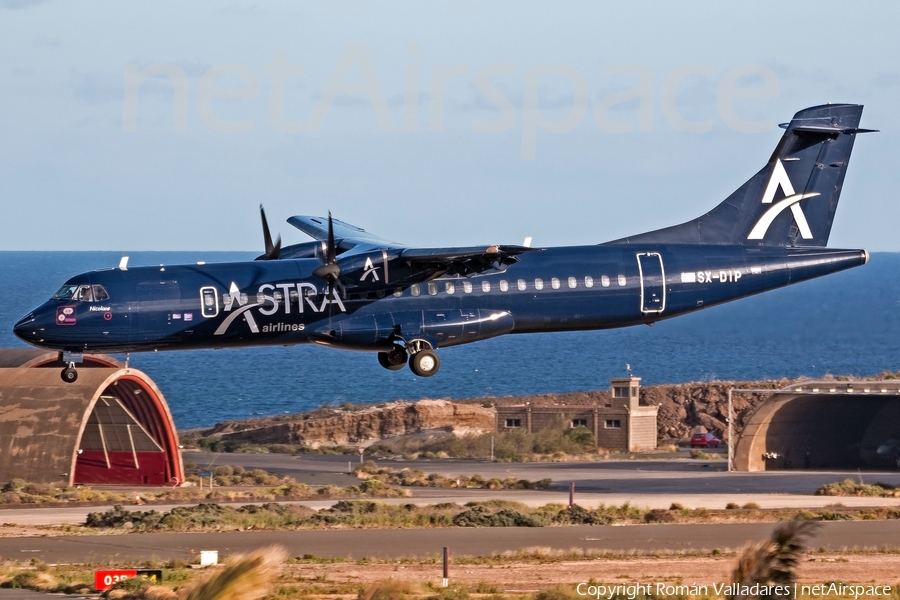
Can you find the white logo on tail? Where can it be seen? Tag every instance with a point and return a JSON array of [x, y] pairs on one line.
[[780, 178]]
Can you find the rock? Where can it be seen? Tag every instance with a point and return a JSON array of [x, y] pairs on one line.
[[682, 409]]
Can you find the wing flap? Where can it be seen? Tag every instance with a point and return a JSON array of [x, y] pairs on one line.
[[463, 260]]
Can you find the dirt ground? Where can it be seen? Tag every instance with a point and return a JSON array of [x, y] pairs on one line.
[[875, 569]]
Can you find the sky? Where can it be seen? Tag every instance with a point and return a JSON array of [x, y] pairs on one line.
[[164, 125]]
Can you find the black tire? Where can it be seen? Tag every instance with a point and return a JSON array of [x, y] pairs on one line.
[[425, 363], [69, 375], [393, 360]]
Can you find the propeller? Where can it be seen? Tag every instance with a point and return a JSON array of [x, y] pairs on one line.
[[329, 270], [273, 251]]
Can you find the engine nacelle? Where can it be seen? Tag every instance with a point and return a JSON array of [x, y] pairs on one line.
[[440, 327]]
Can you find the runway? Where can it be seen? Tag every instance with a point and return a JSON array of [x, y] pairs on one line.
[[394, 543]]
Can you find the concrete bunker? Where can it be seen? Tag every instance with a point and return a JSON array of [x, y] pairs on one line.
[[112, 426], [824, 425]]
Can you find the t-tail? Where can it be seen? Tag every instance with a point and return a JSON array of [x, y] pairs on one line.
[[792, 200]]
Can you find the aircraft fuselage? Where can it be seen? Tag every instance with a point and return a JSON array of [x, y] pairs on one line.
[[281, 302]]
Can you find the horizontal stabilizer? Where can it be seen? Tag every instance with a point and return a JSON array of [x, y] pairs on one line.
[[317, 228]]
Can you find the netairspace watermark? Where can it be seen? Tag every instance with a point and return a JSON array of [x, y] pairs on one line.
[[719, 590], [569, 113]]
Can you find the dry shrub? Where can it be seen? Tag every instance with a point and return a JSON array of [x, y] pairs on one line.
[[33, 580], [158, 592], [140, 590], [387, 590], [773, 561], [244, 578]]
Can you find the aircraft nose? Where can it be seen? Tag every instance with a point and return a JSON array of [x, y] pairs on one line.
[[25, 329]]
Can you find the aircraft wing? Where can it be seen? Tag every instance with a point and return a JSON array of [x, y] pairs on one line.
[[462, 261], [465, 260]]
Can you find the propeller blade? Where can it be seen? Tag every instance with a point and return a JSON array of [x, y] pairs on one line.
[[273, 251], [331, 250], [329, 270]]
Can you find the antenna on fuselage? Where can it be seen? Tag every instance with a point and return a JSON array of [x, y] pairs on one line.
[[123, 264], [527, 242]]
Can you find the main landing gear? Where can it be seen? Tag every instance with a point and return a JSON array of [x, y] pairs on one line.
[[423, 360]]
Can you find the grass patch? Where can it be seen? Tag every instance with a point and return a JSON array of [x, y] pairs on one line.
[[261, 485], [492, 513], [558, 442], [849, 487], [216, 444], [370, 471]]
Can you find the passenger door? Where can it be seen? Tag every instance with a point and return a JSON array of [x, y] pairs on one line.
[[653, 282]]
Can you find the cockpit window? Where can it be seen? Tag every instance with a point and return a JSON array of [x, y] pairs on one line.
[[85, 293], [100, 293], [65, 292]]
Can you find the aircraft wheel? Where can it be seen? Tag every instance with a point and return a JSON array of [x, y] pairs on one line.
[[393, 360], [425, 363], [69, 375]]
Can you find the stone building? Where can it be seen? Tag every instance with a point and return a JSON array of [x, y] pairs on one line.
[[624, 424]]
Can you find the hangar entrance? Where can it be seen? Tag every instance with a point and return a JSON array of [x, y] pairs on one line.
[[115, 448], [112, 426], [824, 425]]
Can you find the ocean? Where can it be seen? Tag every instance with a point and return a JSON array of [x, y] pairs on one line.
[[842, 324]]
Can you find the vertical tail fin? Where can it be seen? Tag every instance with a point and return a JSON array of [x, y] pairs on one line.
[[792, 200]]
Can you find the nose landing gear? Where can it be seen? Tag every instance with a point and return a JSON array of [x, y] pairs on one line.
[[69, 374]]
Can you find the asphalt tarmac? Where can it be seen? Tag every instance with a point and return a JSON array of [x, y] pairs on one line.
[[395, 543]]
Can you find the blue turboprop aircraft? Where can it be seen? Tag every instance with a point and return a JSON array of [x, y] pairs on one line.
[[350, 289]]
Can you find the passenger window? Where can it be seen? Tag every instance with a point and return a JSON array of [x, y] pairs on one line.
[[432, 289], [604, 281], [621, 281], [467, 287], [538, 284], [100, 293], [504, 286], [573, 283], [414, 289], [485, 286], [398, 292], [588, 282], [449, 288], [554, 283], [521, 285]]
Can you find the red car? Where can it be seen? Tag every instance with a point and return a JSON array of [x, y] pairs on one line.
[[704, 440]]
